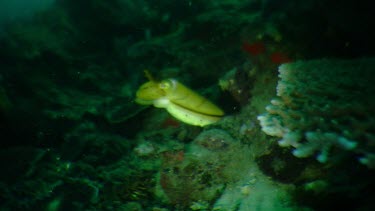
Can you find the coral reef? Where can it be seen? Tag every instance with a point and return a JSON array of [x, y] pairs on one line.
[[324, 108], [72, 137]]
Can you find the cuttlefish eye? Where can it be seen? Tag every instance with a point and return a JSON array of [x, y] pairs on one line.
[[166, 84]]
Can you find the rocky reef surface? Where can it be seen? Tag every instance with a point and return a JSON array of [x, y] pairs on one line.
[[290, 73]]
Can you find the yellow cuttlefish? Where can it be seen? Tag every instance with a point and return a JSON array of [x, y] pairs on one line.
[[181, 102]]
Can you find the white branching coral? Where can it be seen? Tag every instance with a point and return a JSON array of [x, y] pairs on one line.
[[324, 106]]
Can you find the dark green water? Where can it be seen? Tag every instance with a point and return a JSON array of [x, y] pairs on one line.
[[298, 137]]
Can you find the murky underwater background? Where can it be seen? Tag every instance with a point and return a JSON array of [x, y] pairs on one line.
[[95, 113]]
